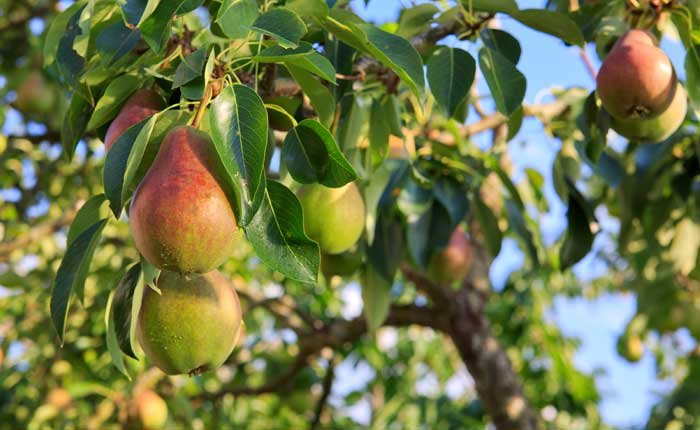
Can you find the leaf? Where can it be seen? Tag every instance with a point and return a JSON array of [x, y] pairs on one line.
[[376, 298], [579, 238], [112, 340], [122, 305], [115, 41], [416, 19], [72, 273], [303, 56], [493, 6], [117, 160], [451, 73], [387, 249], [321, 98], [489, 225], [116, 93], [236, 16], [278, 54], [238, 123], [69, 62], [516, 222], [692, 71], [427, 233], [88, 215], [277, 235], [502, 42], [312, 155], [551, 22], [308, 8], [282, 24], [56, 30], [452, 197], [505, 81], [379, 131], [151, 6], [190, 68], [396, 53], [156, 28], [74, 123]]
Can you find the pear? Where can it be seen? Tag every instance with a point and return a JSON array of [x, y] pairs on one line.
[[193, 324], [142, 104], [452, 264], [151, 410], [333, 217], [658, 128], [180, 217], [636, 79]]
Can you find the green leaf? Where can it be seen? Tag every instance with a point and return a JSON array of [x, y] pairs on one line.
[[116, 93], [122, 305], [692, 72], [579, 238], [502, 42], [112, 338], [190, 68], [387, 248], [117, 160], [505, 81], [156, 28], [451, 195], [396, 53], [278, 54], [151, 6], [451, 73], [516, 222], [69, 62], [56, 30], [321, 98], [379, 130], [493, 6], [551, 22], [238, 123], [236, 16], [312, 155], [376, 298], [115, 41], [74, 123], [489, 225], [277, 235], [88, 215], [416, 19], [72, 273], [282, 24], [308, 8], [427, 233]]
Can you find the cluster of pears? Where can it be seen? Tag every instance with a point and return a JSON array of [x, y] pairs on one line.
[[183, 224], [638, 86]]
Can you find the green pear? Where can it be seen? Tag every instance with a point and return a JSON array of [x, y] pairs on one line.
[[333, 217], [192, 325]]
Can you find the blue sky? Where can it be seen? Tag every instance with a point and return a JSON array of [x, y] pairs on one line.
[[628, 390]]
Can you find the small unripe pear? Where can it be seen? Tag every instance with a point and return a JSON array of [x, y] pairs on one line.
[[151, 409], [180, 217], [35, 95], [142, 104], [452, 264], [637, 79], [192, 326], [333, 217]]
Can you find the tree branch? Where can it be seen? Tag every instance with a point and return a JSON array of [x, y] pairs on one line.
[[326, 392]]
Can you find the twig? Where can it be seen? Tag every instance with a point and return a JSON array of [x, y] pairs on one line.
[[327, 387], [587, 62]]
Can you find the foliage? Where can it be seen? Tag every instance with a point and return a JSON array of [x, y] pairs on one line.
[[305, 91]]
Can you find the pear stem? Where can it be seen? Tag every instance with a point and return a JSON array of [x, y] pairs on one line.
[[202, 106]]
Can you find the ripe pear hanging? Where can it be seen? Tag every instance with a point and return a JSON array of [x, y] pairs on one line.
[[180, 217], [637, 79], [140, 106], [193, 324]]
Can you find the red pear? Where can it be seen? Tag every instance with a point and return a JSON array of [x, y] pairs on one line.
[[180, 217], [637, 79], [452, 264], [140, 106]]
